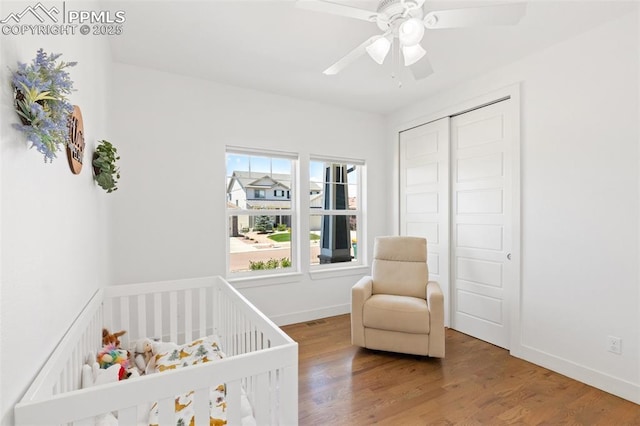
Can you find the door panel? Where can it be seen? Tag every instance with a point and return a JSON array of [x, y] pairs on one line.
[[479, 201], [424, 195], [476, 305], [480, 271], [481, 142]]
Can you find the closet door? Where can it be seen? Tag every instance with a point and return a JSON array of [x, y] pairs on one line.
[[424, 195], [481, 215]]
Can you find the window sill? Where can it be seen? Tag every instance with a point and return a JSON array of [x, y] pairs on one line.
[[264, 280], [323, 273]]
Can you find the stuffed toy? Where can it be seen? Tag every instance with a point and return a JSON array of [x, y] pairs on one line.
[[110, 355], [142, 354], [111, 339]]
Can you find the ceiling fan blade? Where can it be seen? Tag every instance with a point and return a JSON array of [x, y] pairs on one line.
[[421, 69], [506, 14], [337, 9], [350, 57]]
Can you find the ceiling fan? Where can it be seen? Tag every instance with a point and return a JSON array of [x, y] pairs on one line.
[[405, 21]]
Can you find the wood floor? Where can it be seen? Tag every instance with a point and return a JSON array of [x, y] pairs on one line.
[[475, 384]]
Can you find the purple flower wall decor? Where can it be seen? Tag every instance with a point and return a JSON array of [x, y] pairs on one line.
[[41, 90]]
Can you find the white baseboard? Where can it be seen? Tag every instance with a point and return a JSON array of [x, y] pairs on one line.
[[613, 385], [313, 314]]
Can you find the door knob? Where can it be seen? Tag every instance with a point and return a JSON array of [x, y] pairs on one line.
[[509, 256]]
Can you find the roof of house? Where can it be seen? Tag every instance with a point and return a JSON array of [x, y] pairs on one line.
[[262, 180], [253, 179]]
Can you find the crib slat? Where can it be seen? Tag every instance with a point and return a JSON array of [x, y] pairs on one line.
[[275, 401], [201, 406], [188, 316], [202, 312], [173, 317], [108, 312], [77, 366], [124, 314], [236, 330], [240, 328], [229, 321], [233, 331], [247, 334], [254, 338], [224, 321], [68, 376], [261, 403], [73, 370], [96, 338], [166, 411], [157, 315], [243, 336], [233, 403], [142, 316], [216, 311], [127, 416], [59, 387], [289, 395]]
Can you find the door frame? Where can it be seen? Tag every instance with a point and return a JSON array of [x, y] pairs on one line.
[[513, 292]]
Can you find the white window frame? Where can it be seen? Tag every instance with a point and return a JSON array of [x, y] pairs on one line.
[[361, 233], [292, 212]]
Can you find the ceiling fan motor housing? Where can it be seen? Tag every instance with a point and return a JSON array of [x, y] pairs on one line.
[[392, 12]]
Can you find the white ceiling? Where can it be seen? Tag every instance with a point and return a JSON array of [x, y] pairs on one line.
[[275, 47]]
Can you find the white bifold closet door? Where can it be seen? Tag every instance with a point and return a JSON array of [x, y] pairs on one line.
[[455, 190], [424, 195], [481, 221]]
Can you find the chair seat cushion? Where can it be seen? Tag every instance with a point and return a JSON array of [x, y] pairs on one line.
[[396, 313]]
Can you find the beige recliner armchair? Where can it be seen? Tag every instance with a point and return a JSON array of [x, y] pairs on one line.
[[398, 309]]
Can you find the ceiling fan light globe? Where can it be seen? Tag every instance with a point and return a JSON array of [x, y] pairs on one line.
[[379, 49], [411, 32], [412, 54]]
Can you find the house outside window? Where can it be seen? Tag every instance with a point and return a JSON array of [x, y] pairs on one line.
[[335, 211], [261, 226]]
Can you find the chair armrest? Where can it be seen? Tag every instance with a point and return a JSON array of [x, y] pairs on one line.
[[360, 292], [363, 288], [435, 302], [435, 296]]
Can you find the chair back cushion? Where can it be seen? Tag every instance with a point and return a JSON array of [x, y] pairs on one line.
[[400, 266]]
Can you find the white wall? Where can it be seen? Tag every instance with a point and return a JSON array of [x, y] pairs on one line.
[[169, 213], [53, 250], [580, 212]]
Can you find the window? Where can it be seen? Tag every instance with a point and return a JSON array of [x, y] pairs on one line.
[[335, 211], [262, 238], [264, 234]]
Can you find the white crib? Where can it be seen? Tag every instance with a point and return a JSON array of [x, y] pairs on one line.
[[261, 361]]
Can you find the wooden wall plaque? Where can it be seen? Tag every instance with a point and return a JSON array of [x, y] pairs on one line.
[[75, 147]]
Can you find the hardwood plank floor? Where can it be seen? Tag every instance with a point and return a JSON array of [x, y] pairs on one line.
[[475, 384]]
